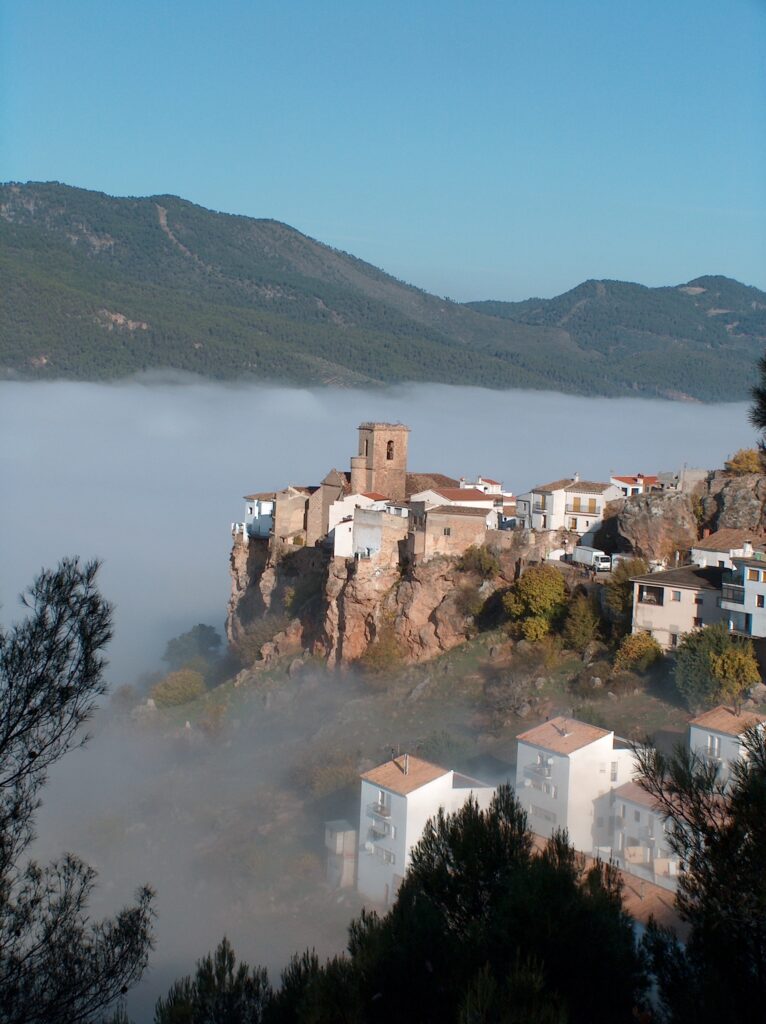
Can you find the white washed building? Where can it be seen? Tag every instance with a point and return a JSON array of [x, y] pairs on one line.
[[564, 769], [717, 734], [397, 799], [568, 504]]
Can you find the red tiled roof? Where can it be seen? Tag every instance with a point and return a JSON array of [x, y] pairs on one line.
[[391, 775], [463, 494], [562, 735], [725, 720], [374, 496], [646, 480], [489, 480], [728, 539], [458, 510], [417, 482]]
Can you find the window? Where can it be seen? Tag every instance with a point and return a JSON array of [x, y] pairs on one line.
[[675, 595], [698, 599], [721, 563], [572, 524], [366, 448], [613, 772], [674, 639], [388, 857], [622, 812], [636, 815], [753, 575], [759, 601], [447, 531], [698, 623], [713, 745], [390, 451]]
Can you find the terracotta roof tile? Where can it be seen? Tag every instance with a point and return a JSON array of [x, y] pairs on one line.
[[417, 482], [458, 510], [633, 792], [725, 720], [464, 494], [563, 735], [729, 539], [391, 774]]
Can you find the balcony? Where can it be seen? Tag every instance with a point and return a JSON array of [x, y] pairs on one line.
[[651, 595], [733, 594], [580, 510], [537, 507], [382, 810], [538, 771]]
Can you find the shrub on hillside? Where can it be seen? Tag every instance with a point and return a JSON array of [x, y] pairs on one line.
[[581, 626], [179, 687], [384, 654], [479, 560], [746, 460], [536, 601], [713, 666], [637, 651], [258, 633]]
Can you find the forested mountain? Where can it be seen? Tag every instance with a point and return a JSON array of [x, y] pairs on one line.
[[95, 287]]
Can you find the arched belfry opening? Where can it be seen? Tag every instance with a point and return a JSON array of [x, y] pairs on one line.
[[390, 451]]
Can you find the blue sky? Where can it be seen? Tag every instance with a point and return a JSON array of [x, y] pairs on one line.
[[476, 149]]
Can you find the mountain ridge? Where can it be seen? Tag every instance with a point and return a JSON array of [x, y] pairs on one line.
[[97, 287]]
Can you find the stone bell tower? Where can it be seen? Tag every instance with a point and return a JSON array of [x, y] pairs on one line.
[[381, 465]]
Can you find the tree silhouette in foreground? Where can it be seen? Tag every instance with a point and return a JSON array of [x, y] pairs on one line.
[[485, 930], [56, 966], [717, 827]]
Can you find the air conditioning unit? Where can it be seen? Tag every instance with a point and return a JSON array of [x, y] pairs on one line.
[[369, 847]]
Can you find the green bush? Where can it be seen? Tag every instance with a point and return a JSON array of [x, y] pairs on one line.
[[180, 687], [714, 666], [258, 633], [479, 560], [536, 601], [637, 652], [581, 626]]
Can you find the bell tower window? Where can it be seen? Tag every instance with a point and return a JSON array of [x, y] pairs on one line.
[[390, 451]]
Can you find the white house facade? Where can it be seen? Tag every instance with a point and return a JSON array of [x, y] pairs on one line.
[[397, 799], [640, 839], [563, 770], [716, 735], [568, 504]]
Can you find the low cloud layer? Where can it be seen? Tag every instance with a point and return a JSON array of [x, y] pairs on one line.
[[148, 476]]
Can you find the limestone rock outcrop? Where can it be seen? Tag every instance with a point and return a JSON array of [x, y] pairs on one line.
[[653, 526], [735, 502]]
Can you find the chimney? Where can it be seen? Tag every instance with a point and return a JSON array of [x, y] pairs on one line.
[[747, 549], [406, 764], [576, 477]]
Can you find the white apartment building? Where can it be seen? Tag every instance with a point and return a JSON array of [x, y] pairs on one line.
[[397, 799], [568, 504], [671, 603], [717, 735], [639, 840], [743, 598], [564, 769], [722, 547]]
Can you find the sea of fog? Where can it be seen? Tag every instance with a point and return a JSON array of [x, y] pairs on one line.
[[148, 476]]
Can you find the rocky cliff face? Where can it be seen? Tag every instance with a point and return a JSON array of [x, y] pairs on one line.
[[656, 526], [339, 609]]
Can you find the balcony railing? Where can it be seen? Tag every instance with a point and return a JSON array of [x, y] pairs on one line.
[[382, 810], [537, 507], [579, 510], [733, 593], [538, 771]]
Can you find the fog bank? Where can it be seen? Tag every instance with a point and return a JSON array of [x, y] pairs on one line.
[[148, 475]]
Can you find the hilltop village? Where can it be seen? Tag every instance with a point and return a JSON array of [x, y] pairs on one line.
[[380, 555], [378, 547]]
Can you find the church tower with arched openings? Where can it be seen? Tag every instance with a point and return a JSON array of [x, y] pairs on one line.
[[381, 465]]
